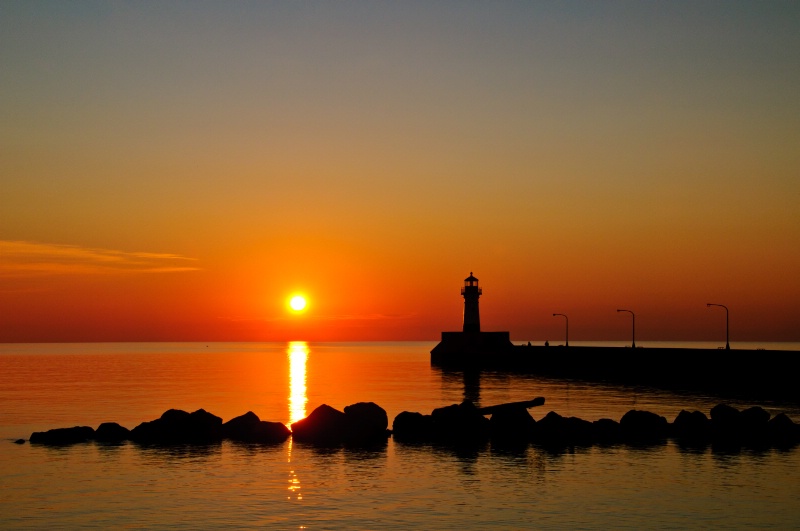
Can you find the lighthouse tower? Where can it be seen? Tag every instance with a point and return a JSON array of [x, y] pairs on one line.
[[471, 292]]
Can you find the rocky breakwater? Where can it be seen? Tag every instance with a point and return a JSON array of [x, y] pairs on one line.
[[512, 424], [361, 423], [366, 423], [173, 427]]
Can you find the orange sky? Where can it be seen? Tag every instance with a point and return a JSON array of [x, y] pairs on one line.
[[175, 172]]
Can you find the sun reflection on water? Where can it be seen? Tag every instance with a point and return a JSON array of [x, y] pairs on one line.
[[298, 355]]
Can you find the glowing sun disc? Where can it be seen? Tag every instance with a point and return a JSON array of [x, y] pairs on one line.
[[297, 303]]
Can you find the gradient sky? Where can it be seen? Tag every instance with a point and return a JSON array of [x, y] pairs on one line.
[[174, 171]]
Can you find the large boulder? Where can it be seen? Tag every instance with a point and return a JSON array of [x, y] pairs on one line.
[[111, 432], [325, 425], [606, 431], [783, 431], [412, 427], [725, 421], [550, 428], [460, 423], [179, 427], [62, 436], [367, 422], [753, 420], [553, 429], [249, 428], [637, 425], [691, 426], [511, 424]]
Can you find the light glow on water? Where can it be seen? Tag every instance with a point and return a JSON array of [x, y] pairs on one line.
[[298, 397]]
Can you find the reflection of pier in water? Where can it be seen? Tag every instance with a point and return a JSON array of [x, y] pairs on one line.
[[468, 381]]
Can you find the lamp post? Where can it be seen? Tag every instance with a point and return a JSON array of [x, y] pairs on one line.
[[567, 334], [727, 327], [633, 333]]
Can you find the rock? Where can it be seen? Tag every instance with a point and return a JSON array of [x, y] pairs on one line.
[[176, 427], [325, 425], [239, 428], [249, 428], [606, 431], [694, 426], [754, 419], [366, 422], [782, 430], [724, 417], [578, 431], [61, 436], [19, 441], [640, 425], [554, 429], [412, 427], [460, 423], [111, 432], [511, 423], [549, 428]]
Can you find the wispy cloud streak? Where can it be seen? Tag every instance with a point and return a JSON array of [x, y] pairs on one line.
[[343, 317], [26, 259]]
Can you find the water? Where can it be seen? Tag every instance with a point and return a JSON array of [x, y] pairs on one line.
[[290, 486]]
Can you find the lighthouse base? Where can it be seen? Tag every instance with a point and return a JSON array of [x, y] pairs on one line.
[[470, 348]]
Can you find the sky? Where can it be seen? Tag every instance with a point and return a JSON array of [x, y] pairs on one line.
[[176, 171]]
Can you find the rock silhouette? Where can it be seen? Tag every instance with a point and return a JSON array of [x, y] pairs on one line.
[[643, 426], [368, 422], [249, 428], [61, 436], [692, 426], [111, 432], [361, 423], [412, 427], [176, 427], [460, 423]]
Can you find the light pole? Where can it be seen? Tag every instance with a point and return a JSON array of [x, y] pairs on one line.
[[633, 333], [727, 328], [567, 318]]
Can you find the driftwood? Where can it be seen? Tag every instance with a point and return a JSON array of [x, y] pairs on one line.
[[488, 410]]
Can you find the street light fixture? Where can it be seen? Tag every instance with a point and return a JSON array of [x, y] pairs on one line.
[[727, 327], [567, 334], [633, 333]]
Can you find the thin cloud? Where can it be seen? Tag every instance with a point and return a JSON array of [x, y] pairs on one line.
[[343, 317], [30, 259]]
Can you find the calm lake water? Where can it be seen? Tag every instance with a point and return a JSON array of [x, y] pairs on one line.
[[291, 486]]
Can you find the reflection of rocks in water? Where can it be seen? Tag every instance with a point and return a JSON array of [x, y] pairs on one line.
[[180, 451]]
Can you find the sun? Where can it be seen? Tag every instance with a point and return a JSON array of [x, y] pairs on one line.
[[298, 303]]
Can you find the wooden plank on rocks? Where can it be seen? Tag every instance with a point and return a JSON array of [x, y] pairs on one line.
[[488, 410]]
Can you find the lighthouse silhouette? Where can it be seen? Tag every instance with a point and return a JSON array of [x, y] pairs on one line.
[[471, 346], [471, 292]]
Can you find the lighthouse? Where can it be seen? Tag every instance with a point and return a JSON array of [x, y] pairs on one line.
[[471, 292], [471, 347]]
